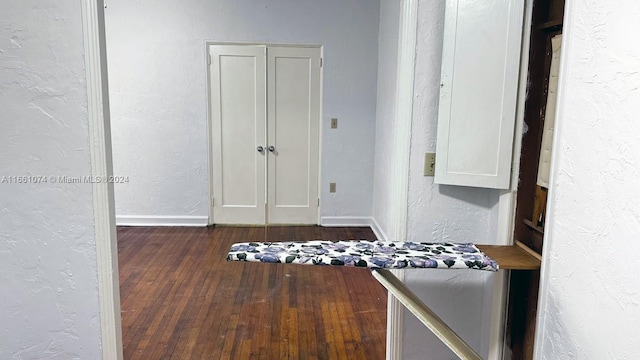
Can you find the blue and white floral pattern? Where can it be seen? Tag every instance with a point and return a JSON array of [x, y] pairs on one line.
[[366, 253]]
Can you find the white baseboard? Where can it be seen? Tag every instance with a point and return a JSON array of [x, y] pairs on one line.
[[161, 220], [380, 234], [333, 221]]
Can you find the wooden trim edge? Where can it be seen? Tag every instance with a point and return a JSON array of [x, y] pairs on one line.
[[527, 249], [403, 118], [93, 27]]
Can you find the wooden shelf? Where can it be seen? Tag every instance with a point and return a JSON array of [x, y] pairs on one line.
[[511, 257], [550, 26], [533, 226]]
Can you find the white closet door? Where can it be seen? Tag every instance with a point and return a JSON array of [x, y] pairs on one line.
[[479, 86], [238, 109], [293, 131]]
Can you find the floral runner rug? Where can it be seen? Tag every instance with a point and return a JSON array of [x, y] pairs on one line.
[[366, 253]]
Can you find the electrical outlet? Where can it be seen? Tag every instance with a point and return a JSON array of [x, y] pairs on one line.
[[334, 123], [429, 164], [332, 187]]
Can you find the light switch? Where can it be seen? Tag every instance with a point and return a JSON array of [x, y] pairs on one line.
[[429, 164], [332, 187], [334, 123]]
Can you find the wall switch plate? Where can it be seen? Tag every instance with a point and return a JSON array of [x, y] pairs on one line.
[[334, 123], [332, 187], [429, 164]]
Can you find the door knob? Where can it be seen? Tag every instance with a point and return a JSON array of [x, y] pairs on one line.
[[260, 149], [272, 148]]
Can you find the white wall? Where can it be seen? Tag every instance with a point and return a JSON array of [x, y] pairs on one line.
[[590, 297], [156, 52], [385, 113], [49, 306], [443, 213]]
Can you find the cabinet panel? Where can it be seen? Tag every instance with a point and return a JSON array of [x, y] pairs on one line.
[[479, 81]]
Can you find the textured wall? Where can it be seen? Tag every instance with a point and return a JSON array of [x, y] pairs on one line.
[[49, 305], [385, 112], [443, 213], [435, 213], [156, 53], [591, 309]]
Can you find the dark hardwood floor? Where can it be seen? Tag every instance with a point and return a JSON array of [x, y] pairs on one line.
[[181, 299]]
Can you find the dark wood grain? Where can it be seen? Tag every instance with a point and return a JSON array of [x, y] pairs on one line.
[[181, 299], [523, 294], [510, 257]]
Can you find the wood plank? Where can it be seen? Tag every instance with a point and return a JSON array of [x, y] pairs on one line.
[[553, 25], [533, 227], [539, 207], [510, 257]]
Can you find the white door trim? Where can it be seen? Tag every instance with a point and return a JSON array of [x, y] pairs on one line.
[[320, 136], [102, 165], [403, 118], [569, 23], [266, 44]]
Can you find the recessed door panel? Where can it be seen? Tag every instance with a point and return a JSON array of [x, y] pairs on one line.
[[239, 117], [294, 110]]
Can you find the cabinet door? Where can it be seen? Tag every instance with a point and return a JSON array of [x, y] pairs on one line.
[[478, 92], [238, 110]]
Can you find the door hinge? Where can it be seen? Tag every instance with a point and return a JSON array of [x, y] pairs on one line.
[[209, 59], [320, 62], [211, 202], [318, 202]]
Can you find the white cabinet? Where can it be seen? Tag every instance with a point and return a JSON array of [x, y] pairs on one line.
[[478, 93]]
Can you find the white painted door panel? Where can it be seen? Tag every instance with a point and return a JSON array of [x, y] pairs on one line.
[[293, 79], [479, 82], [238, 109]]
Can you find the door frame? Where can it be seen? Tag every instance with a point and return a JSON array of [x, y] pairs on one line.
[[508, 201], [99, 120], [207, 45], [94, 30]]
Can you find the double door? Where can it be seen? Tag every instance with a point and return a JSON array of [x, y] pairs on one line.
[[265, 109]]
